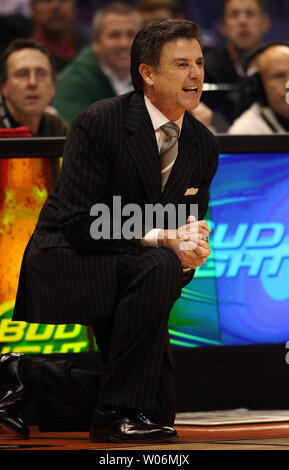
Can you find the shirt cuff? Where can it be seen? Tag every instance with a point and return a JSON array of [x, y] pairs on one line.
[[151, 238]]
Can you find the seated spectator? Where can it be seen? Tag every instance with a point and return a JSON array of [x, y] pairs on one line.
[[101, 70], [151, 10], [244, 24], [269, 113], [27, 80], [54, 26]]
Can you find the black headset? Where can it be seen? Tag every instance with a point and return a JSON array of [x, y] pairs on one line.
[[252, 85]]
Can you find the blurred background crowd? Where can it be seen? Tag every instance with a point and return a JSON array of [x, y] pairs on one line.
[[88, 42]]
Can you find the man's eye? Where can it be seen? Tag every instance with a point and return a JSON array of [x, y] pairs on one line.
[[22, 73], [250, 14], [114, 35], [42, 73], [279, 76]]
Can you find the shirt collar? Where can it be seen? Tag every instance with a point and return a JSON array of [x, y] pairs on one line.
[[120, 86], [157, 117]]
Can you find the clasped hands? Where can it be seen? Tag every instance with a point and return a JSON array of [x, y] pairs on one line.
[[188, 242]]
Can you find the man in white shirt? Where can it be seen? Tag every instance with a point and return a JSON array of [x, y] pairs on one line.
[[101, 70], [268, 86]]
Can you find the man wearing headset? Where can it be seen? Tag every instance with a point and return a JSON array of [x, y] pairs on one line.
[[269, 85]]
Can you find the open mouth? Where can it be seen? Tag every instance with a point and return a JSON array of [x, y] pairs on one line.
[[244, 34], [124, 54], [190, 89]]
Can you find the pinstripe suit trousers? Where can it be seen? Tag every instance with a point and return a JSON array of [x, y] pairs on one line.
[[137, 363], [137, 370]]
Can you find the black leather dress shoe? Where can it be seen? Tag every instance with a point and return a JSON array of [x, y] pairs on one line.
[[13, 395], [127, 426]]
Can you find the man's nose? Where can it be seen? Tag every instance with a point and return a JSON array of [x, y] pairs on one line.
[[195, 72], [243, 17], [32, 79], [125, 41]]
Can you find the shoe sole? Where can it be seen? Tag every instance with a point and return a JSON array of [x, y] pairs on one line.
[[95, 436]]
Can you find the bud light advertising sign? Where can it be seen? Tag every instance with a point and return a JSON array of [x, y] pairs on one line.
[[241, 295]]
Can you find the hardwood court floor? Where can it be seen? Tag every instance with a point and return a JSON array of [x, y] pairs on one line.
[[273, 436]]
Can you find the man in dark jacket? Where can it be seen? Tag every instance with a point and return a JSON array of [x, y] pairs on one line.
[[100, 70], [27, 80], [89, 262], [244, 25]]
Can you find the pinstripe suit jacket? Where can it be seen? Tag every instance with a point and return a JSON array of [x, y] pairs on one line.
[[111, 150]]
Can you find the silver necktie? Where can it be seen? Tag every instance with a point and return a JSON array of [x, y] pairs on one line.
[[169, 150]]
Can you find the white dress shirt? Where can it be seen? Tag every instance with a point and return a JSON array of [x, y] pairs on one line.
[[120, 86]]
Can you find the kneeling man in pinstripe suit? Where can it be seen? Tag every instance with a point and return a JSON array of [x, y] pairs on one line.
[[148, 150]]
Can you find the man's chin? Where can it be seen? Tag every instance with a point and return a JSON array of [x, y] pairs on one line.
[[56, 28], [123, 67], [284, 114], [244, 46], [33, 110], [191, 103]]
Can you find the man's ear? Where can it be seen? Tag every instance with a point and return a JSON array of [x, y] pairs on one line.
[[146, 72], [266, 24], [3, 90]]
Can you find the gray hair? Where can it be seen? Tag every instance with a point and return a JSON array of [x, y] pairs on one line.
[[115, 7]]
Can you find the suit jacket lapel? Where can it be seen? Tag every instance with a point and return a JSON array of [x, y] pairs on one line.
[[143, 148], [187, 160]]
